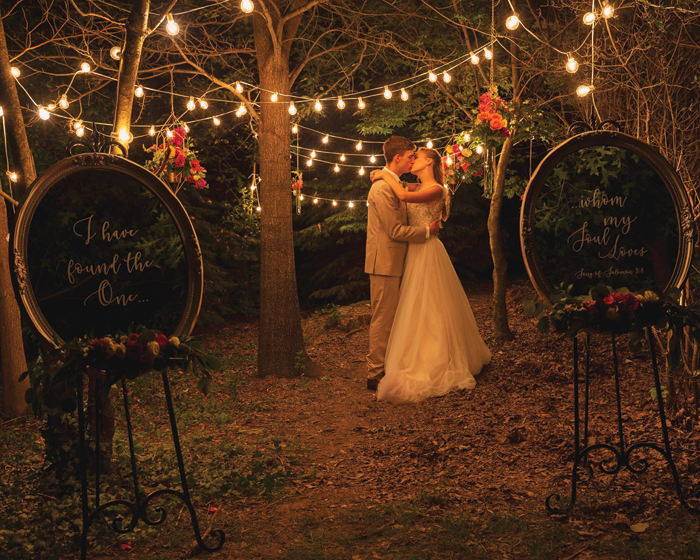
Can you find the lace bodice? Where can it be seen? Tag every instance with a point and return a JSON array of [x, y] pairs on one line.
[[422, 214]]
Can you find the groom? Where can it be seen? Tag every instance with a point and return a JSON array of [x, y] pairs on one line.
[[387, 238]]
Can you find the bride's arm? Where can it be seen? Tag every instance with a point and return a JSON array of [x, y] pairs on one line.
[[431, 194]]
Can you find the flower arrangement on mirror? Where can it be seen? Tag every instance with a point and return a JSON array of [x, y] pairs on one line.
[[175, 160]]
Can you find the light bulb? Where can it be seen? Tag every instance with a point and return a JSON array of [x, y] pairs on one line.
[[313, 154], [336, 168], [301, 197], [368, 203], [116, 53], [77, 125], [138, 92], [252, 187], [448, 160], [362, 170], [239, 87], [488, 55], [480, 149], [169, 133], [315, 200], [309, 162], [318, 106], [295, 129], [341, 103], [608, 10], [446, 77], [63, 102], [404, 95], [292, 109], [474, 58], [171, 27], [247, 6], [51, 107], [350, 204], [217, 122], [571, 65], [512, 22], [359, 146], [467, 137], [432, 77], [360, 103], [44, 114], [1, 112], [589, 18], [274, 97], [241, 110], [325, 139], [85, 67], [429, 145], [387, 93], [258, 208], [187, 128], [203, 104], [335, 203], [13, 177], [342, 157], [583, 90], [190, 104], [152, 131], [372, 159], [15, 71], [79, 132], [125, 136]]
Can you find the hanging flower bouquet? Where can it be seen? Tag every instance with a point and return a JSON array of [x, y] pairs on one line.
[[175, 160], [57, 379]]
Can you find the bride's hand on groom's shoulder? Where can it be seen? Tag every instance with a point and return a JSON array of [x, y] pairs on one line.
[[375, 175]]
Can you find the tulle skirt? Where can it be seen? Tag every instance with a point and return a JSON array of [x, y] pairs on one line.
[[435, 345]]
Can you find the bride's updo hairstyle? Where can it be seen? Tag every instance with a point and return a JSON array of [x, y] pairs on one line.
[[434, 156]]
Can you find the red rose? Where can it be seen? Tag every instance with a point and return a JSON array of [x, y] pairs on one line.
[[162, 340], [195, 165], [200, 184], [609, 300]]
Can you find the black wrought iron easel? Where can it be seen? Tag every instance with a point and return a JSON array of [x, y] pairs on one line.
[[621, 452], [141, 503]]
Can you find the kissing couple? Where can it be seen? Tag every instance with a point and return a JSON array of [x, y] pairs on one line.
[[423, 338]]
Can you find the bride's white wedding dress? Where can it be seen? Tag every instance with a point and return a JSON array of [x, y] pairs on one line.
[[435, 345]]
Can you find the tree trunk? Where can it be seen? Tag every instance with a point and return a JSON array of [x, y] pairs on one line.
[[136, 31], [12, 360], [280, 340], [501, 330]]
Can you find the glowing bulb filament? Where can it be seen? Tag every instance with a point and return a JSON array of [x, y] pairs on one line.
[[571, 65], [429, 145], [292, 109], [318, 106], [446, 77], [341, 103], [432, 77], [247, 6], [325, 139], [336, 168], [342, 157], [152, 131], [488, 55], [360, 103], [295, 129], [63, 102], [362, 170], [589, 18], [15, 72], [474, 58], [404, 95], [190, 104], [171, 27], [274, 97], [85, 67], [216, 121], [512, 22], [359, 146], [387, 93], [138, 92]]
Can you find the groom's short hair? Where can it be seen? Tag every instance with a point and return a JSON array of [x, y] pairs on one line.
[[396, 145]]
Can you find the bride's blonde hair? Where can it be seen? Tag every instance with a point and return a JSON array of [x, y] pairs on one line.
[[439, 174]]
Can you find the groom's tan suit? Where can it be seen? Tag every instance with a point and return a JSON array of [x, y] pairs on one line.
[[387, 237]]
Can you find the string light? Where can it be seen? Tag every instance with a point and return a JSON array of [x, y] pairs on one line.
[[342, 157], [239, 87], [315, 200], [301, 197], [292, 109], [187, 128], [571, 65], [203, 104], [336, 168], [358, 147], [274, 97], [474, 58], [1, 112], [335, 203], [252, 187], [190, 104], [325, 139], [448, 160], [404, 95], [309, 162], [258, 208], [488, 55], [44, 114], [138, 92], [313, 154], [589, 18], [295, 129], [125, 136], [467, 137], [79, 132], [387, 93], [169, 133], [429, 145], [350, 204], [171, 27], [341, 103], [362, 171], [241, 110], [84, 67], [63, 102], [217, 122], [372, 159], [432, 77], [152, 131], [51, 107], [77, 125], [446, 77], [360, 103], [479, 149], [583, 90], [247, 6], [368, 203], [513, 22], [13, 177], [608, 10], [116, 53], [318, 106], [15, 71]]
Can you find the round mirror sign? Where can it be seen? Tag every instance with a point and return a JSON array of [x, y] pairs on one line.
[[102, 245], [604, 207]]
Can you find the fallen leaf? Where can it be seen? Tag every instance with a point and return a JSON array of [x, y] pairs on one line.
[[639, 527]]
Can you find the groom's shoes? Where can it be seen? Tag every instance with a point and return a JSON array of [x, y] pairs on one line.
[[373, 382]]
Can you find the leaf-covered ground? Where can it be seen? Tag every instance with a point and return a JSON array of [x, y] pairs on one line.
[[318, 469]]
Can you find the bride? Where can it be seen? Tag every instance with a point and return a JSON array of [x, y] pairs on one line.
[[434, 346]]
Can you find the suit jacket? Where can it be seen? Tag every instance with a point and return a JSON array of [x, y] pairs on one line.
[[388, 232]]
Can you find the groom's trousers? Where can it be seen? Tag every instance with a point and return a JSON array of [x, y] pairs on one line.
[[384, 293]]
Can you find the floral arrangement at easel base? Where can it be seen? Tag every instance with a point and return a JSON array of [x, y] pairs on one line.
[[620, 311], [175, 160], [56, 380]]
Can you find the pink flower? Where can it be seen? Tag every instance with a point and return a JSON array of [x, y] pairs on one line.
[[457, 149], [191, 180], [178, 137], [200, 184], [485, 96]]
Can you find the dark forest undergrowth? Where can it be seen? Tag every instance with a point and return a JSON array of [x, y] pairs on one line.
[[317, 469]]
